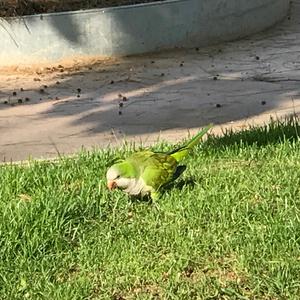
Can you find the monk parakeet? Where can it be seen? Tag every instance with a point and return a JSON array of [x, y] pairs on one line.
[[146, 172]]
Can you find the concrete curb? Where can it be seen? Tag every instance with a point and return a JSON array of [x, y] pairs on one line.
[[135, 29]]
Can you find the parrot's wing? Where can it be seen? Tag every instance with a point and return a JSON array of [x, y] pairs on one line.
[[141, 157], [181, 152], [159, 170]]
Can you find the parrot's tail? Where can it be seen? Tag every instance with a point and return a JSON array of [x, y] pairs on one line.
[[180, 153]]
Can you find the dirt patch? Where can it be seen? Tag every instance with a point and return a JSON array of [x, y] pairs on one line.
[[12, 8]]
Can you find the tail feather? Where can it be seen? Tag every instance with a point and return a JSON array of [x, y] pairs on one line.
[[182, 152]]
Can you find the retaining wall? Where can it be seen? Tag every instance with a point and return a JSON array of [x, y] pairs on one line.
[[135, 29]]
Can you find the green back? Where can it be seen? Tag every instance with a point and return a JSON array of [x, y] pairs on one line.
[[156, 169]]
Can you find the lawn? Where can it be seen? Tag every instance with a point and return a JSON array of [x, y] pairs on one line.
[[228, 229]]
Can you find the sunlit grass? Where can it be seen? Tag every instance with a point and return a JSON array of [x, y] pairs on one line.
[[229, 228]]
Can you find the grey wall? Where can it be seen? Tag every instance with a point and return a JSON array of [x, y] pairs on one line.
[[133, 29]]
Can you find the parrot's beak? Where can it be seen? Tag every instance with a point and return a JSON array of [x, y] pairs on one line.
[[111, 184]]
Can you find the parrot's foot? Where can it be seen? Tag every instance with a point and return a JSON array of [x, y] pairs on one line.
[[155, 197]]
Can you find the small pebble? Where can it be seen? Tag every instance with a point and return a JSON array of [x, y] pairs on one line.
[[152, 62], [5, 102], [120, 113], [121, 104], [218, 105], [257, 58], [79, 90], [21, 89], [27, 99], [197, 49], [215, 78], [42, 91], [36, 79], [57, 82], [112, 82], [120, 96], [124, 99], [14, 93], [263, 102], [20, 101], [181, 65], [45, 86], [78, 96], [162, 74]]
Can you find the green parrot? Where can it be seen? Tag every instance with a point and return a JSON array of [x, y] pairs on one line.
[[146, 172]]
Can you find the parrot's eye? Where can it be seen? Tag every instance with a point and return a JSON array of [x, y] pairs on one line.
[[118, 176]]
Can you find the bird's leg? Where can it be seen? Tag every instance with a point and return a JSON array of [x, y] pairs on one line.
[[155, 195]]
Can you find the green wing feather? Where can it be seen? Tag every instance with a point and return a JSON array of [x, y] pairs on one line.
[[159, 171], [156, 169], [180, 153]]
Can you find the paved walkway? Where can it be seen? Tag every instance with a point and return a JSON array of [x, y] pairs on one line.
[[166, 95]]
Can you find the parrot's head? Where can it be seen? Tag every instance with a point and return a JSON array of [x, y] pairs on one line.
[[120, 175]]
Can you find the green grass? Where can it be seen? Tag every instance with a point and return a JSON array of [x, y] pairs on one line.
[[228, 229]]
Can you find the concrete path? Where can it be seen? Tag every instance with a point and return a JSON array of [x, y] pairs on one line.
[[166, 95]]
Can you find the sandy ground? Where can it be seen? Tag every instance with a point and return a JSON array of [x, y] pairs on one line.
[[146, 98]]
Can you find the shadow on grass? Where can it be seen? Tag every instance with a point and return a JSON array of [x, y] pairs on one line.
[[180, 184], [273, 133]]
